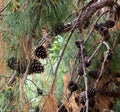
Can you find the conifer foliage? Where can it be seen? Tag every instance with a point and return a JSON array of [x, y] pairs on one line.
[[45, 39]]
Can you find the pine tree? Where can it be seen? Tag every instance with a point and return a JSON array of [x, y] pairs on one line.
[[92, 43]]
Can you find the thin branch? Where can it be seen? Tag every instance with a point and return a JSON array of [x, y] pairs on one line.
[[25, 5], [42, 41], [103, 63], [87, 13], [32, 82], [12, 79], [3, 8], [26, 72], [62, 52], [60, 58], [82, 17], [35, 85], [51, 65], [94, 24], [73, 68], [67, 98], [93, 46], [85, 77], [77, 79], [95, 52], [106, 44]]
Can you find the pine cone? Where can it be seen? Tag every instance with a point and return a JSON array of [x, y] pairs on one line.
[[109, 23], [110, 55], [103, 30], [36, 67], [91, 102], [86, 24], [84, 52], [105, 34], [99, 27], [80, 70], [39, 91], [41, 52], [13, 64], [58, 28], [77, 100], [72, 86], [91, 92], [93, 74], [87, 64], [78, 43]]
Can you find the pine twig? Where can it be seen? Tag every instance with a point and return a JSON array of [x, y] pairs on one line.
[[26, 72], [73, 67], [85, 77], [94, 24], [4, 7], [103, 63], [12, 79], [87, 13], [62, 52], [93, 46], [95, 52], [60, 58]]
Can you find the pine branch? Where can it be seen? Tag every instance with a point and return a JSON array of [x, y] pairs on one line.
[[28, 45], [106, 53], [95, 23], [2, 9], [12, 79], [87, 13], [62, 52], [85, 77]]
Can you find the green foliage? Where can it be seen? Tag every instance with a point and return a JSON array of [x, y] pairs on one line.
[[32, 19], [18, 22], [35, 16], [117, 108], [115, 62], [55, 12], [23, 20]]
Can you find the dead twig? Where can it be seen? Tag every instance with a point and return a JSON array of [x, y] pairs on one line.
[[62, 52], [60, 58], [87, 13], [26, 72], [4, 7], [94, 24], [12, 79], [85, 77], [95, 52], [106, 53], [93, 46]]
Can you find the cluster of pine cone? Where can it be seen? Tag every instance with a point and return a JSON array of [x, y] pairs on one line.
[[35, 65], [103, 29]]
